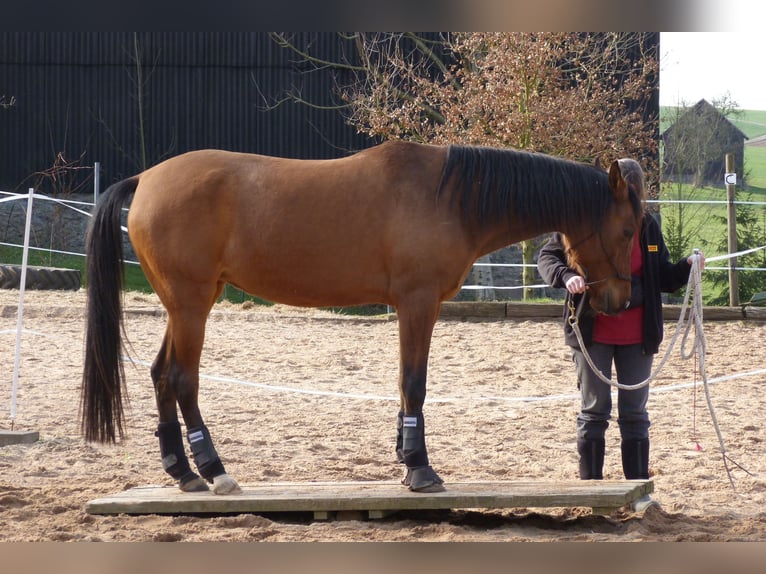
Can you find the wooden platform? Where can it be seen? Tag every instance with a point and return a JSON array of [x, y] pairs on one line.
[[495, 310], [8, 437], [374, 499]]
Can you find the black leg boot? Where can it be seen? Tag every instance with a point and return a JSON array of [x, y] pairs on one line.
[[420, 476], [174, 459], [635, 466], [591, 458], [205, 456]]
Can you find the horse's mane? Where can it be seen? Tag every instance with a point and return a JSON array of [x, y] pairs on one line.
[[494, 183]]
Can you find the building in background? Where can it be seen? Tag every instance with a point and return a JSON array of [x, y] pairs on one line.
[[696, 144], [129, 100]]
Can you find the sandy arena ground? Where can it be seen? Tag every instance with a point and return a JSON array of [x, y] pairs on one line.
[[478, 428]]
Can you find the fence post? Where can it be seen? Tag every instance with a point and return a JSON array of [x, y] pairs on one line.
[[20, 312], [732, 230], [96, 181]]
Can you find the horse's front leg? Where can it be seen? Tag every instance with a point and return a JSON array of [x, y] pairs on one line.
[[416, 324]]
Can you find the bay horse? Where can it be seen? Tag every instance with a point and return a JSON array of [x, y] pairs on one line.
[[399, 224]]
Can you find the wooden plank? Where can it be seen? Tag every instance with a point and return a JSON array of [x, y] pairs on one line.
[[672, 312], [376, 498], [751, 312], [478, 309], [517, 310], [521, 311]]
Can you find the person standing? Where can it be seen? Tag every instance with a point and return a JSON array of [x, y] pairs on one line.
[[628, 341]]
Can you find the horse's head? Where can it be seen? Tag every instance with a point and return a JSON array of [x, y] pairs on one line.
[[602, 255]]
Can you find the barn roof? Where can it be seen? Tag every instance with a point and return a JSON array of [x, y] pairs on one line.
[[700, 108]]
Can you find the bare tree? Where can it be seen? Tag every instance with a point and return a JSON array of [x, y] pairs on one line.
[[577, 95], [143, 66]]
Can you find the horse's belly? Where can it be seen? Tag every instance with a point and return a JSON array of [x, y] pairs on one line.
[[312, 284], [300, 294]]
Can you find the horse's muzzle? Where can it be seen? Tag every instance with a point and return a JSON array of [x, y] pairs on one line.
[[609, 303]]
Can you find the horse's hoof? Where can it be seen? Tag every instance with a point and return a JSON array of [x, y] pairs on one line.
[[224, 484], [423, 479], [195, 484]]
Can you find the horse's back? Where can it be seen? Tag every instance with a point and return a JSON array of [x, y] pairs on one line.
[[201, 178], [307, 232]]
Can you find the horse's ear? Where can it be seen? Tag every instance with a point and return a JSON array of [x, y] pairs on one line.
[[617, 184], [597, 164]]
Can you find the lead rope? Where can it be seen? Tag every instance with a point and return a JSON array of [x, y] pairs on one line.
[[698, 350]]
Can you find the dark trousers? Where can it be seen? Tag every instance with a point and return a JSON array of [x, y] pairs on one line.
[[632, 367]]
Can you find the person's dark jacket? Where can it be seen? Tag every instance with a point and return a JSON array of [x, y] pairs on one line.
[[659, 275]]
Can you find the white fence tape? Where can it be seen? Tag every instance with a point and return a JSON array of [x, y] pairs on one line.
[[732, 255], [436, 399]]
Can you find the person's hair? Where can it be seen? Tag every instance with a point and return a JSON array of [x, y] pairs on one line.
[[634, 175]]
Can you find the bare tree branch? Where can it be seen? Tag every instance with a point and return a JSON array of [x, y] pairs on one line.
[[578, 95], [283, 42]]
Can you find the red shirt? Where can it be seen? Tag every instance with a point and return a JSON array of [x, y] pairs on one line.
[[627, 327]]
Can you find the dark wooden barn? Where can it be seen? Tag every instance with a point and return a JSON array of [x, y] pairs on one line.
[[129, 100], [696, 144]]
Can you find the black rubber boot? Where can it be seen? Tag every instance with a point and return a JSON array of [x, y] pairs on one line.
[[591, 458], [635, 458], [635, 466]]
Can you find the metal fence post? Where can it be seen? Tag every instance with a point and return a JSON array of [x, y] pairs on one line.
[[731, 184]]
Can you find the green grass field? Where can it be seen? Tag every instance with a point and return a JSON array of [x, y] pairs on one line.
[[751, 122], [755, 170], [704, 226]]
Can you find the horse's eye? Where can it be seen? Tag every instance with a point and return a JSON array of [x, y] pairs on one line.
[[628, 232]]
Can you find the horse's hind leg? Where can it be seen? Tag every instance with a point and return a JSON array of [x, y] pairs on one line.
[[176, 375], [183, 375], [172, 451]]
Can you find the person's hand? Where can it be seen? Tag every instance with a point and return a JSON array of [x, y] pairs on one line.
[[576, 285], [701, 256]]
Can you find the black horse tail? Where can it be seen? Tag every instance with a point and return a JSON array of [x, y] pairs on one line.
[[103, 379]]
